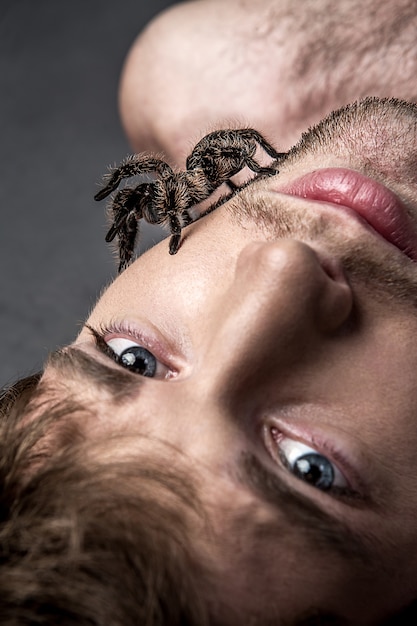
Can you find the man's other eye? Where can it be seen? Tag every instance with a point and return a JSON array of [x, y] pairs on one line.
[[133, 357], [129, 353], [310, 466]]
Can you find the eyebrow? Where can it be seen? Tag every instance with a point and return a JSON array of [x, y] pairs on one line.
[[323, 529], [76, 363]]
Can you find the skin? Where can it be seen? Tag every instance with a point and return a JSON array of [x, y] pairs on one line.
[[284, 320], [277, 66]]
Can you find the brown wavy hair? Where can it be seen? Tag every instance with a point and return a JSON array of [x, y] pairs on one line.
[[86, 542], [92, 542]]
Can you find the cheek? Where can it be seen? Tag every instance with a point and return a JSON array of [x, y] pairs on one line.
[[389, 391], [296, 576]]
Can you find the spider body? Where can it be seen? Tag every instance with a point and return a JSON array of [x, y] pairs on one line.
[[224, 153], [167, 199]]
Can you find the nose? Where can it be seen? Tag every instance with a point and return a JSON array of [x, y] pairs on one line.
[[286, 301]]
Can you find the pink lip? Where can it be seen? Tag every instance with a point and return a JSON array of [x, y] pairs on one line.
[[373, 202]]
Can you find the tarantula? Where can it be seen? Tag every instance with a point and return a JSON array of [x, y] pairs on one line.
[[167, 199]]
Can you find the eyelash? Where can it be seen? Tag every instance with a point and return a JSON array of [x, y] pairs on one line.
[[123, 331]]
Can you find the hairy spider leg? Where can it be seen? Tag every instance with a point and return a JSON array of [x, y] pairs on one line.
[[260, 139], [259, 169], [127, 234], [123, 203], [176, 197], [186, 218], [232, 186], [128, 208], [131, 166], [141, 199], [175, 228], [243, 155]]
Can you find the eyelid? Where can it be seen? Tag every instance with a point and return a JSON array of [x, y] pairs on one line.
[[118, 344]]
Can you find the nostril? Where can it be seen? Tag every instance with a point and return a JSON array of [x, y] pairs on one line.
[[337, 298], [333, 268]]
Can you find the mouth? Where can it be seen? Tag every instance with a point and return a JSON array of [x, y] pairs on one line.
[[376, 205]]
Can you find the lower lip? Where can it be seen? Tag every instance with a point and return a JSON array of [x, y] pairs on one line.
[[373, 202]]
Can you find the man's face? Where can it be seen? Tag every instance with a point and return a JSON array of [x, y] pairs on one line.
[[280, 361]]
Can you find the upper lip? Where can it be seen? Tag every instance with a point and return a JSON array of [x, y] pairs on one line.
[[373, 202]]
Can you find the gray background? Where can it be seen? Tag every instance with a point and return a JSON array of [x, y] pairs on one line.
[[60, 64]]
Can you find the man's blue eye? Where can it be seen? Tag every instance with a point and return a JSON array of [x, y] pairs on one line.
[[314, 469], [133, 357], [310, 466], [138, 360]]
